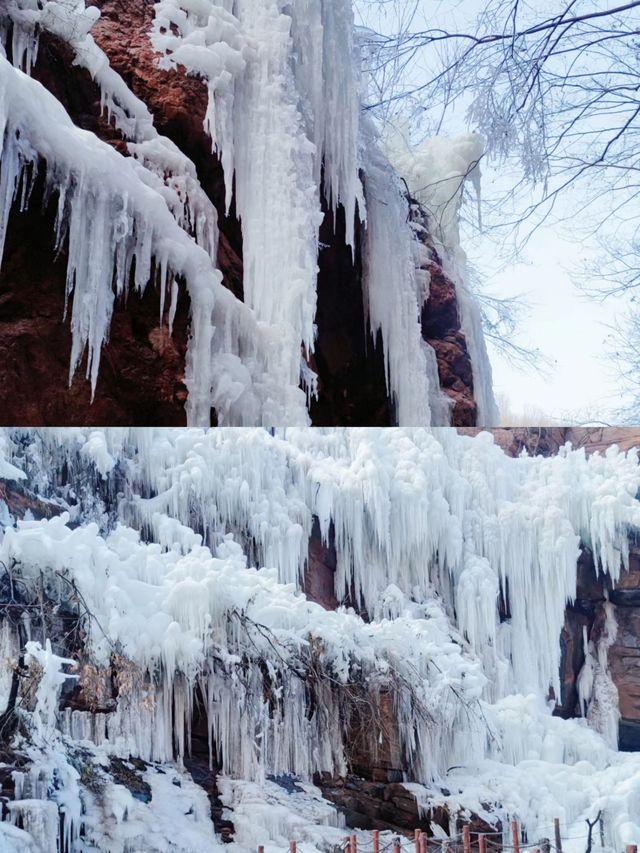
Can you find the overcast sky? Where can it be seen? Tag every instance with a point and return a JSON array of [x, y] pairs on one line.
[[579, 383]]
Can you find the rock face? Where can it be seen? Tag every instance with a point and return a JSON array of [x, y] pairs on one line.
[[142, 368], [547, 440], [624, 655], [21, 501], [440, 322]]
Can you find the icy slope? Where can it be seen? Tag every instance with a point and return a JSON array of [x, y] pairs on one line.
[[283, 82]]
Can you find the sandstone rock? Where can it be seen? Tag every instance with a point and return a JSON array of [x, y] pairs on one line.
[[319, 575], [20, 500], [441, 329]]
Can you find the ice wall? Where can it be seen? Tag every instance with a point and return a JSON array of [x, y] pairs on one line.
[[406, 507], [432, 529], [284, 119]]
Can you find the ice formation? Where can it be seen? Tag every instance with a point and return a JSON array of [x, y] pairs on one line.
[[154, 552], [437, 171], [284, 119]]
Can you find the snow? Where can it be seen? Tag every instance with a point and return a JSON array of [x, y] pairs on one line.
[[428, 527], [269, 812], [284, 119]]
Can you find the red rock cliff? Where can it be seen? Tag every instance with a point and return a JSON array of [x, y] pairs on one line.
[[142, 368]]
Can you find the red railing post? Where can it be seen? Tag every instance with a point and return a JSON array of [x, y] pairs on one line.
[[556, 827], [466, 838], [515, 835], [375, 835], [482, 844]]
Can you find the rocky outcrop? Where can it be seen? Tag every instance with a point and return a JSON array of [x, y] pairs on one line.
[[142, 368], [20, 501], [441, 329], [373, 805], [547, 440], [624, 654], [319, 575]]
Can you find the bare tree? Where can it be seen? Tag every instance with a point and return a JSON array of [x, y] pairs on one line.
[[558, 90], [554, 88]]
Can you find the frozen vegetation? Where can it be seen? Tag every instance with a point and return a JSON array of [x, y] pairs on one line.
[[179, 557], [284, 89]]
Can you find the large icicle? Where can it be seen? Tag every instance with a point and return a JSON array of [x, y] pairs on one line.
[[275, 124], [112, 205], [395, 289]]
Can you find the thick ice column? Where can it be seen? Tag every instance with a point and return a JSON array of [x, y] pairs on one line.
[[436, 171], [283, 111], [394, 292]]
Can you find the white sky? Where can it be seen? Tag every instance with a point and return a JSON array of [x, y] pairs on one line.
[[580, 384]]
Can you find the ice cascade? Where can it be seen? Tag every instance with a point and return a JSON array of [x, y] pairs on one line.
[[284, 119]]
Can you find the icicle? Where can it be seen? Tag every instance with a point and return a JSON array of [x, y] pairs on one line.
[[40, 819], [585, 676], [393, 301]]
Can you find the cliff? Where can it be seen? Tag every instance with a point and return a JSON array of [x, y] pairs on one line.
[[594, 589], [144, 368]]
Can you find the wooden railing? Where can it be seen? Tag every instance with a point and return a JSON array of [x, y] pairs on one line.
[[421, 843]]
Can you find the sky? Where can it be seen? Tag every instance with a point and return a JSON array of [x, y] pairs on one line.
[[579, 383]]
